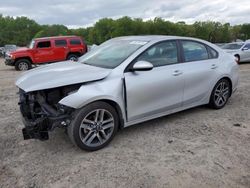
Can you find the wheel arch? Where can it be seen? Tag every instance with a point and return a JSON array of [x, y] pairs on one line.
[[74, 53], [25, 57], [237, 55], [117, 108]]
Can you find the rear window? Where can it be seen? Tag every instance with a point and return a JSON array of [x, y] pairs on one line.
[[44, 44], [212, 53], [194, 51], [75, 42], [60, 42]]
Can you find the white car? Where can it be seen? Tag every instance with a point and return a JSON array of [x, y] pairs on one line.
[[241, 50], [122, 82]]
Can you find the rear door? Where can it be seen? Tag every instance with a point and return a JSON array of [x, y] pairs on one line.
[[43, 52], [158, 90], [200, 70], [60, 49]]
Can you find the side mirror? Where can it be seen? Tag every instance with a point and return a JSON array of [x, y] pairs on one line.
[[245, 48], [142, 66]]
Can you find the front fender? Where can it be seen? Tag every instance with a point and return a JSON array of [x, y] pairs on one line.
[[112, 90]]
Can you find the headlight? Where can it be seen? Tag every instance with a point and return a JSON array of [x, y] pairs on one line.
[[10, 56]]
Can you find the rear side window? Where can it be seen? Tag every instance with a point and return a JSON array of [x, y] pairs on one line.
[[194, 51], [44, 44], [212, 53], [60, 42], [75, 42]]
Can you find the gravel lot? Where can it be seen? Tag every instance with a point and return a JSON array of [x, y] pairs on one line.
[[195, 148]]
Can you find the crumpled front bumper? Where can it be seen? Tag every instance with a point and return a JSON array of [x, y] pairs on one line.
[[39, 123]]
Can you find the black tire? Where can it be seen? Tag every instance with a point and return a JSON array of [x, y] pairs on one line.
[[23, 65], [74, 129], [73, 57], [238, 56], [216, 94]]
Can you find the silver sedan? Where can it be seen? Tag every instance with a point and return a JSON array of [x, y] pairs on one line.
[[241, 50], [122, 82]]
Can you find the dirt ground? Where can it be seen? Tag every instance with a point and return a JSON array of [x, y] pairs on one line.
[[195, 148]]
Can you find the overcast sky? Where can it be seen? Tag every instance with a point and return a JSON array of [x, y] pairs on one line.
[[80, 13]]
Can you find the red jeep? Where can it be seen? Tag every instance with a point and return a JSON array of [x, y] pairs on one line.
[[46, 50]]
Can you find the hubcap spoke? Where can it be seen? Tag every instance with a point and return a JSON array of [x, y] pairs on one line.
[[99, 138], [91, 138], [97, 115], [88, 136], [87, 121], [107, 126], [104, 134], [107, 121], [86, 126]]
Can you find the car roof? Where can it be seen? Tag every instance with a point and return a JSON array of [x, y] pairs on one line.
[[56, 37]]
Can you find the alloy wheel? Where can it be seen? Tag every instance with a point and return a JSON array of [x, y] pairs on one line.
[[221, 93], [96, 127], [23, 66]]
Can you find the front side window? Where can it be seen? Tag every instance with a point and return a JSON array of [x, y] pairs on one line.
[[161, 54], [60, 43], [194, 51], [44, 44], [32, 44], [247, 46]]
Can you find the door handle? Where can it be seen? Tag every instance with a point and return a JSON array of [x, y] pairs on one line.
[[214, 66], [177, 73]]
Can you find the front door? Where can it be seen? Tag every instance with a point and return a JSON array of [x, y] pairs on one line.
[[158, 90], [43, 52]]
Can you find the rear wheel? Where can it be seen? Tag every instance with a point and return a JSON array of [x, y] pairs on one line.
[[23, 65], [220, 94], [72, 57], [94, 126], [237, 58]]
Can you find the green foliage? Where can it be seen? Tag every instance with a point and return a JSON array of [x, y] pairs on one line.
[[21, 30]]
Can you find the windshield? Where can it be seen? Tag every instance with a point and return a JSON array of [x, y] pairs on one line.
[[232, 46], [31, 45], [111, 53]]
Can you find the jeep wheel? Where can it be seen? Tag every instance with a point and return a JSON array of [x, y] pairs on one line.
[[22, 65], [72, 57], [94, 126]]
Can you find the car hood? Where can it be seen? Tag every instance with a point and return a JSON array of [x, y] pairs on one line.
[[59, 74], [18, 50]]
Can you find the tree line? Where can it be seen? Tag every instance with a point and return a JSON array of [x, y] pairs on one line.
[[21, 30]]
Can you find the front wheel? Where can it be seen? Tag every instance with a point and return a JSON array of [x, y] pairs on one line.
[[22, 65], [94, 126], [220, 94]]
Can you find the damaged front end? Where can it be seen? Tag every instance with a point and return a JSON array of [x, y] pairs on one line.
[[42, 113]]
